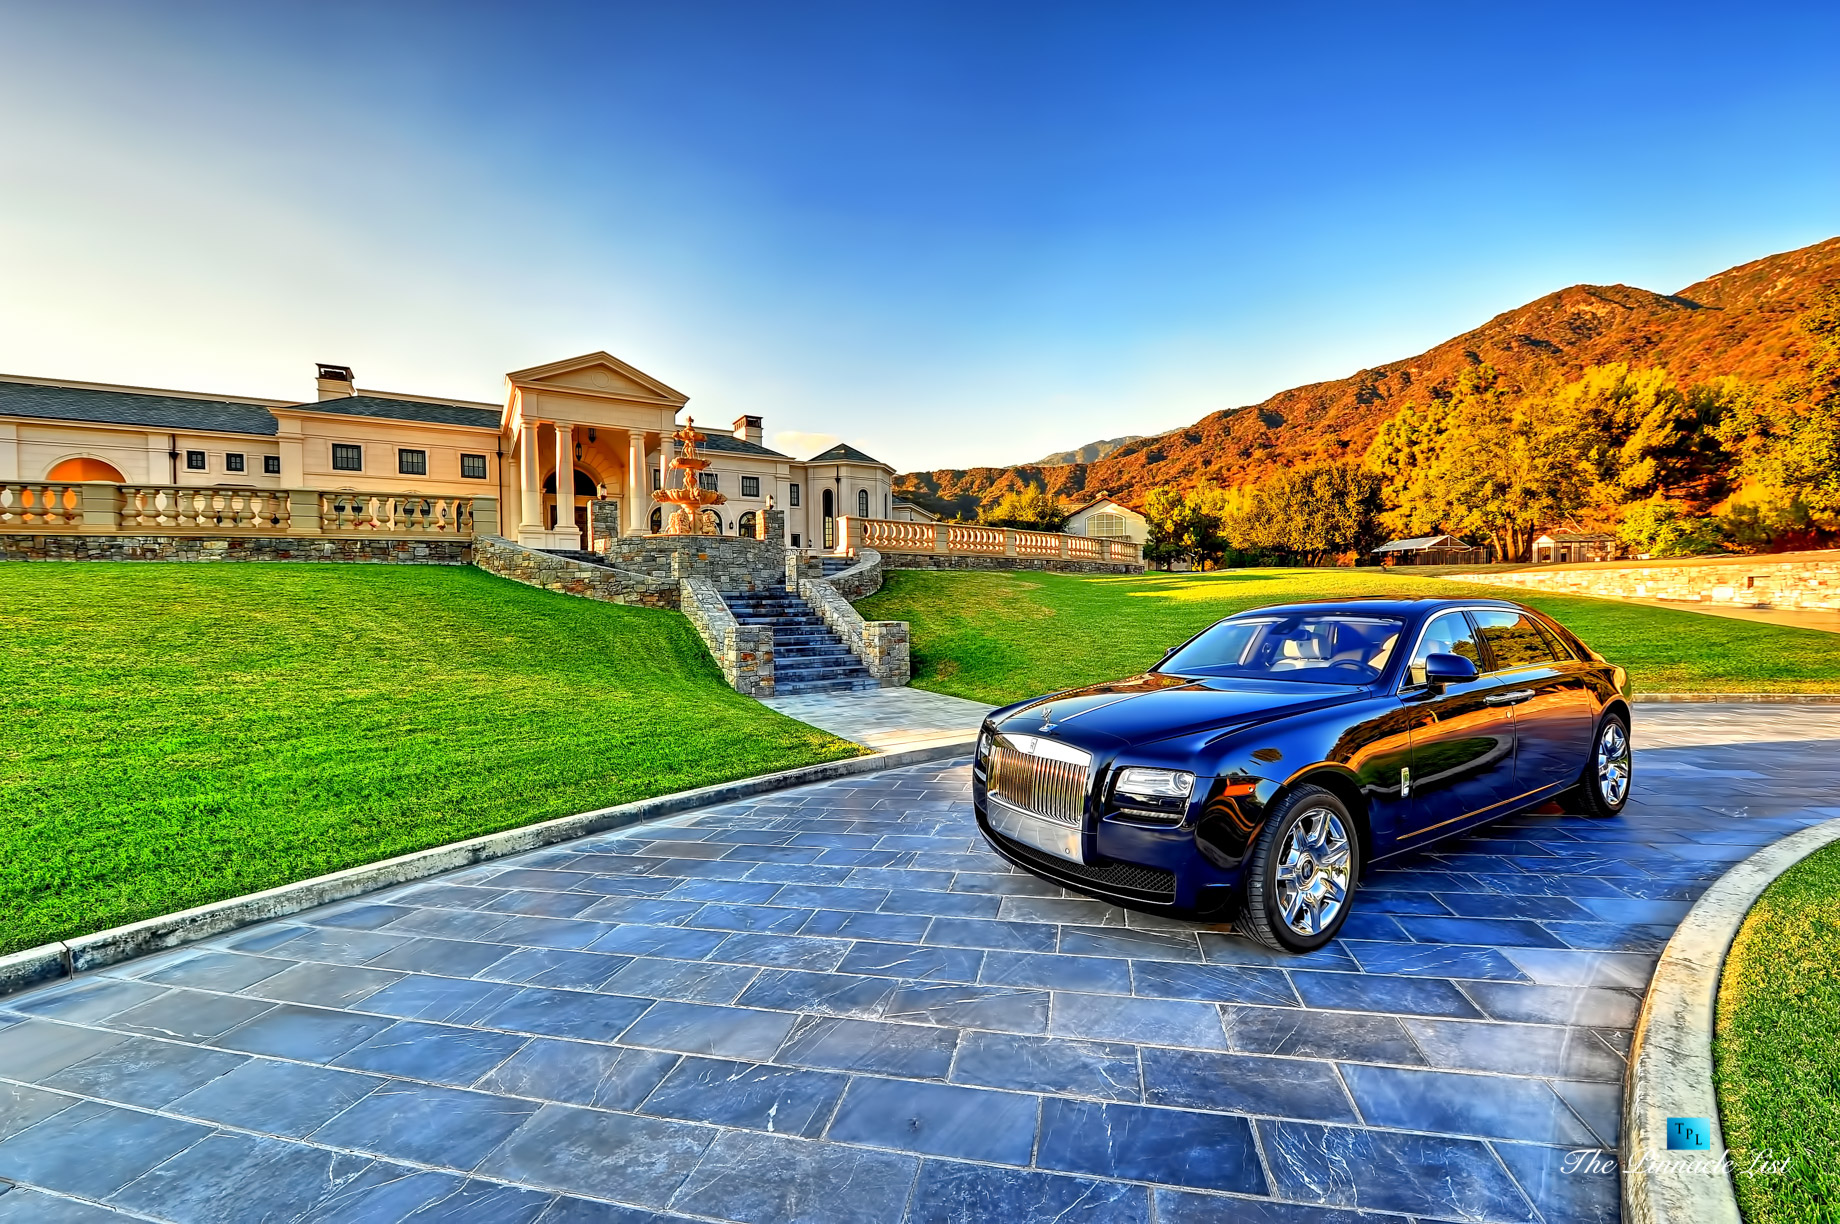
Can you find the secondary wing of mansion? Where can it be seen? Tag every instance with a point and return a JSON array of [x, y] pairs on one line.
[[586, 429]]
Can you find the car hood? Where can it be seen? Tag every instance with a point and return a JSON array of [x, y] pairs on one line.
[[1157, 706]]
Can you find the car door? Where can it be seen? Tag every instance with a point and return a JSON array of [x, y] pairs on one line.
[[1554, 709], [1463, 738]]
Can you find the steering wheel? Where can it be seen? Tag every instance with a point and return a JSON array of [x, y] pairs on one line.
[[1350, 664]]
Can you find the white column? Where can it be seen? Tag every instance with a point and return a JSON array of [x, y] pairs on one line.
[[531, 509], [565, 481], [638, 505]]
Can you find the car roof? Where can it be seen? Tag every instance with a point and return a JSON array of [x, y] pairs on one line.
[[1407, 607]]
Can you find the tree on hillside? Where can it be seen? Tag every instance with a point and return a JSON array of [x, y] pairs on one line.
[[1185, 526], [1309, 513], [1032, 508], [1787, 442], [1502, 463]]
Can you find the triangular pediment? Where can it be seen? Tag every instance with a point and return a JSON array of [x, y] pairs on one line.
[[598, 374]]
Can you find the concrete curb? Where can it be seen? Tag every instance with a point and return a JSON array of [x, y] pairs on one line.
[[1670, 1061], [48, 962], [1739, 698]]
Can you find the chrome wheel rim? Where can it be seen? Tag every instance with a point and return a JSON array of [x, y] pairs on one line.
[[1613, 763], [1313, 872]]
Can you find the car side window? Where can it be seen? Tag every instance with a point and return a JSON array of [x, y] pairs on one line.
[[1445, 633], [1555, 641], [1514, 640]]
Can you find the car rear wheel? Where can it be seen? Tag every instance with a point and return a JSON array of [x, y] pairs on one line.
[[1300, 877], [1603, 788]]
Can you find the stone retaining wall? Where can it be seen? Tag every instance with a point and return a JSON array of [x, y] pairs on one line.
[[924, 561], [534, 568], [732, 563], [881, 645], [744, 652], [383, 551], [862, 579], [1759, 583]]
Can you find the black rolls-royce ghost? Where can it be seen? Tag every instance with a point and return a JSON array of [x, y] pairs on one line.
[[1263, 764]]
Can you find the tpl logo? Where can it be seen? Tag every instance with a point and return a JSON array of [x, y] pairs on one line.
[[1689, 1134]]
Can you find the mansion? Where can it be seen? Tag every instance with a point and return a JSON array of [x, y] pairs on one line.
[[589, 428]]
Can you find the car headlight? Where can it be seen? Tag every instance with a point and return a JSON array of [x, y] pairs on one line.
[[983, 744], [1154, 783]]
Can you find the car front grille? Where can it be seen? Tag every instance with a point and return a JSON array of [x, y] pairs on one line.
[[1131, 880], [1040, 776]]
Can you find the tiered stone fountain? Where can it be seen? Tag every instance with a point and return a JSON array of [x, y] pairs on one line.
[[690, 497]]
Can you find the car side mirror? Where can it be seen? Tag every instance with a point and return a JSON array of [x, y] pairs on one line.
[[1448, 669]]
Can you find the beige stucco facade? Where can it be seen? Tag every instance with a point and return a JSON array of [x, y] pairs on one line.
[[1110, 520], [583, 428]]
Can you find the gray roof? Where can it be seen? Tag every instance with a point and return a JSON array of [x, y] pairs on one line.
[[1419, 543], [737, 446], [843, 452], [173, 412], [180, 412], [406, 410]]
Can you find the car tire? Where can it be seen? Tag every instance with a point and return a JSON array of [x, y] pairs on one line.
[[1609, 775], [1284, 901]]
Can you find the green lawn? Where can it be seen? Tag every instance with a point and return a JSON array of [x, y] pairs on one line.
[[1001, 637], [176, 734], [1776, 1048]]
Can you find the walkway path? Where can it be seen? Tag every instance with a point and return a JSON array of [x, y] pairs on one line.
[[890, 719], [835, 1005]]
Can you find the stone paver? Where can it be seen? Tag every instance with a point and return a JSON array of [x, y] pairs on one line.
[[834, 1004], [890, 719]]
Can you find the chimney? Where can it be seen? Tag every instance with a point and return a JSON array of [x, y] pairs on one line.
[[747, 428], [335, 382]]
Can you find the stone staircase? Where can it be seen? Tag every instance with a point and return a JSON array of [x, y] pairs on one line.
[[807, 656]]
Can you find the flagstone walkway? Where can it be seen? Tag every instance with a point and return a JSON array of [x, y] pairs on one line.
[[890, 719], [835, 1005]]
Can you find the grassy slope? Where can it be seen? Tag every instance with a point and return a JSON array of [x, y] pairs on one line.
[[178, 734], [1004, 636], [1776, 1048]]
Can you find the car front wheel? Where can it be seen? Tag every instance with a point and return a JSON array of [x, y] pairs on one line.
[[1300, 877]]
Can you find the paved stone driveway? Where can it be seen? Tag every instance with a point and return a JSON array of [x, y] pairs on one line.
[[835, 1005]]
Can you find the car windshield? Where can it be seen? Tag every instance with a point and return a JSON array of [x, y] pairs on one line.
[[1315, 648]]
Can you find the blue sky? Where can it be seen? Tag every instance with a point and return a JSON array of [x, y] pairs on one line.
[[950, 234]]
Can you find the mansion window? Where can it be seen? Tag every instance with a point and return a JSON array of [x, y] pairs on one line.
[[862, 503], [1108, 525], [792, 497], [707, 480], [412, 462], [233, 462], [194, 461], [346, 458], [750, 486], [473, 467], [271, 465], [657, 480]]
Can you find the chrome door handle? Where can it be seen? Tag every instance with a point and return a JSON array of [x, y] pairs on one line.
[[1512, 698]]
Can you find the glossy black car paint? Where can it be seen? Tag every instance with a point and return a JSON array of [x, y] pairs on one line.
[[1471, 759]]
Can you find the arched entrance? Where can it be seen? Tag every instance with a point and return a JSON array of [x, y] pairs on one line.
[[85, 468], [712, 522], [746, 526], [586, 490], [830, 520]]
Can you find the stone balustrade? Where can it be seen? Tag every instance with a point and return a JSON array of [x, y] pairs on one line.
[[905, 545], [91, 508]]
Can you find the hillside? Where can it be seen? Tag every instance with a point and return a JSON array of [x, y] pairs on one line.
[[1087, 454], [1741, 321]]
